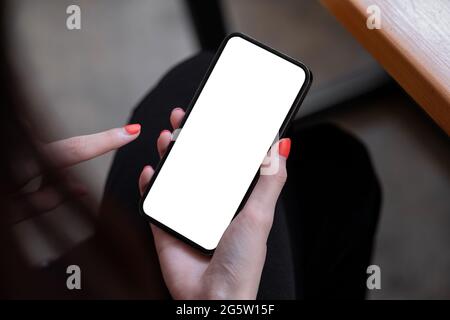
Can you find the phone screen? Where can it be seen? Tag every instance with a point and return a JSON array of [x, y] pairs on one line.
[[231, 125]]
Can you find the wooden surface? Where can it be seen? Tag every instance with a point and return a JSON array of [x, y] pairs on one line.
[[413, 45]]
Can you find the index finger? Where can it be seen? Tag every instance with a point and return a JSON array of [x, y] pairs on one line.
[[74, 150]]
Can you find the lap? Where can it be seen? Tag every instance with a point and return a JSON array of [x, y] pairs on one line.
[[296, 251]]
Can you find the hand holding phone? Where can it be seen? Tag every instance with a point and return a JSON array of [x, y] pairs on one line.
[[245, 103], [206, 193], [234, 271]]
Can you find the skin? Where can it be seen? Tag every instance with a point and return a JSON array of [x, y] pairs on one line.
[[66, 153], [234, 271]]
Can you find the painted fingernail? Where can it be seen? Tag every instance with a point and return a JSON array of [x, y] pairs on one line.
[[133, 128], [284, 147], [164, 131]]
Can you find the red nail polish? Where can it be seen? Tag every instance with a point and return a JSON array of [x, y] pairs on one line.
[[133, 128], [284, 147]]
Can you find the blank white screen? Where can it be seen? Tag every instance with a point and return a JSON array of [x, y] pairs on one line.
[[223, 142]]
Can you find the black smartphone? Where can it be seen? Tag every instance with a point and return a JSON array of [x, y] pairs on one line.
[[245, 101]]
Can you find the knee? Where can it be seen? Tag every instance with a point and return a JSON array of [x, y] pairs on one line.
[[336, 172], [335, 159]]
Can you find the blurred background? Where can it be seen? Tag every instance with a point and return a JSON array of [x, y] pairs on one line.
[[89, 80]]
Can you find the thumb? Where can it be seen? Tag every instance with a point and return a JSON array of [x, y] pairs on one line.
[[242, 250], [264, 197]]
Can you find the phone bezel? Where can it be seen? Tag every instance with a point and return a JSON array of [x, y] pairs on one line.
[[285, 125]]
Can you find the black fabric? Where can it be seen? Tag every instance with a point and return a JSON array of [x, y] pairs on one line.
[[332, 201], [321, 240]]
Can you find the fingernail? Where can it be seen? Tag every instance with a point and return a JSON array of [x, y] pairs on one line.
[[133, 128], [284, 147], [164, 131], [180, 109]]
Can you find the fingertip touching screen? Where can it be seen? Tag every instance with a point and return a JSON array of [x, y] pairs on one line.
[[234, 121]]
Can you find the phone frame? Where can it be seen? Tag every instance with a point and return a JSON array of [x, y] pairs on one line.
[[285, 125]]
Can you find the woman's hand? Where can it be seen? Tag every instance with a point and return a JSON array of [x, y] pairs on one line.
[[65, 153], [234, 271]]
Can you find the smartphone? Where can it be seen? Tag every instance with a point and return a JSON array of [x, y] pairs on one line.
[[246, 100]]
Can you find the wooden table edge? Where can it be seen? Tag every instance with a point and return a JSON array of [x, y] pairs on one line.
[[431, 94]]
